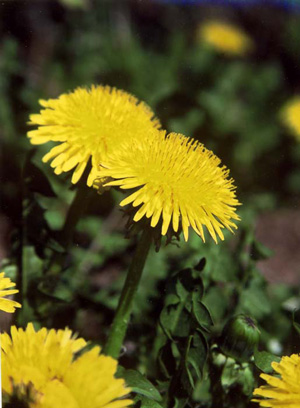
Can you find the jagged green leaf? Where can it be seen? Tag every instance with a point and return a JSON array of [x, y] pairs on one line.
[[175, 320], [201, 313], [139, 384], [264, 359]]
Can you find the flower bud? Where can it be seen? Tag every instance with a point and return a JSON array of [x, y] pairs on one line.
[[239, 337]]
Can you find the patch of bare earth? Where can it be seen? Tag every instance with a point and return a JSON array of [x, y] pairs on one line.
[[280, 231]]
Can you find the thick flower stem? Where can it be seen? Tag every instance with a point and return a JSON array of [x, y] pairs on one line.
[[76, 209], [120, 323]]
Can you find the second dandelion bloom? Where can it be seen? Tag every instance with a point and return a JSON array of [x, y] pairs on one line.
[[7, 288], [226, 38], [41, 369], [281, 391], [177, 182], [89, 124], [290, 116]]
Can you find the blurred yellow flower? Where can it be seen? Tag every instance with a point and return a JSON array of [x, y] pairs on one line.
[[291, 116], [282, 391], [88, 123], [176, 178], [225, 38], [43, 364], [7, 305]]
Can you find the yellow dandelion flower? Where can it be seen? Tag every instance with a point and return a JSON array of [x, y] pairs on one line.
[[177, 180], [282, 391], [88, 123], [44, 361], [225, 38], [7, 305], [291, 116]]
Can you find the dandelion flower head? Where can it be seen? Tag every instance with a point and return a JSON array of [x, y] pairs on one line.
[[45, 363], [88, 123], [225, 38], [281, 391], [6, 285], [177, 180], [291, 116]]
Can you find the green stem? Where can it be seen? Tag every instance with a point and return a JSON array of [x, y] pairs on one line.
[[120, 322], [76, 209]]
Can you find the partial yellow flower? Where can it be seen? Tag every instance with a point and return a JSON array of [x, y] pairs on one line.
[[291, 116], [225, 38], [7, 305], [282, 391], [176, 179], [45, 363], [89, 123]]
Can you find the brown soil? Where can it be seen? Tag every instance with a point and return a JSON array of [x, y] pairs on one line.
[[280, 231]]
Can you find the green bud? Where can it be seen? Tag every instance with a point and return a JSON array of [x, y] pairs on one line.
[[239, 337]]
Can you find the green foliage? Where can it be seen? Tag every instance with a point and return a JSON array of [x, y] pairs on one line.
[[296, 323], [74, 3], [238, 375], [9, 67], [263, 360], [185, 320], [140, 385]]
